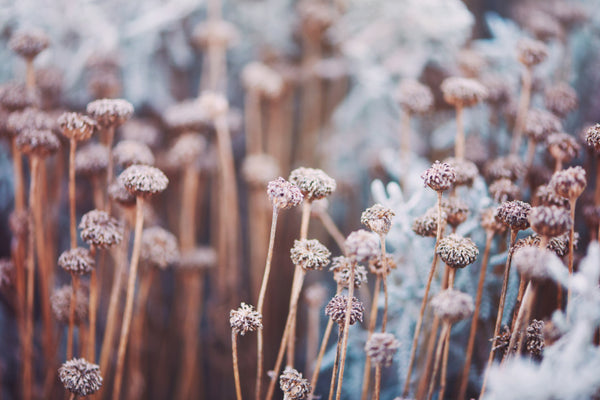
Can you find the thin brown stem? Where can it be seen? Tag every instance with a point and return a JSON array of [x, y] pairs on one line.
[[459, 144], [253, 122], [530, 153], [444, 367], [438, 358], [236, 371], [384, 281], [333, 230], [372, 323], [336, 362], [524, 101], [377, 382], [345, 330], [73, 222], [516, 337], [93, 311], [29, 74], [18, 177], [108, 141], [73, 304], [597, 190], [571, 245]]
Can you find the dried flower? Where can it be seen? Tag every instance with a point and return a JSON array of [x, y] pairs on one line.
[[569, 183], [110, 112], [562, 146], [550, 221], [245, 319], [61, 304], [141, 131], [198, 259], [37, 142], [259, 169], [262, 79], [592, 137], [546, 195], [92, 159], [531, 52], [440, 177], [560, 99], [509, 167], [216, 32], [463, 92], [76, 126], [381, 347], [504, 190], [28, 44], [77, 261], [284, 194], [378, 218], [336, 310], [188, 147], [117, 192], [293, 385], [310, 254], [414, 97], [313, 183], [159, 247], [457, 251], [213, 104], [342, 266], [456, 210], [80, 377], [471, 62], [466, 171], [426, 225], [514, 214], [100, 229], [376, 265], [16, 96], [539, 124], [362, 244], [534, 342], [128, 152], [143, 180], [452, 306], [532, 262], [186, 116], [29, 118], [498, 90], [544, 26]]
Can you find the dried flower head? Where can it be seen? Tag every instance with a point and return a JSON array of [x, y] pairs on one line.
[[76, 126], [16, 96], [452, 306], [283, 194], [550, 221], [310, 254], [414, 97], [293, 385], [570, 182], [259, 169], [143, 180], [560, 99], [532, 262], [129, 152], [514, 214], [509, 167], [362, 244], [215, 32], [118, 193], [378, 218], [498, 89], [539, 124], [198, 259], [562, 146], [213, 104], [159, 247], [263, 79], [336, 310], [463, 92], [592, 137], [141, 131], [426, 225], [92, 159], [440, 177], [245, 319], [544, 26], [49, 81], [504, 190], [546, 195], [104, 84], [457, 251], [377, 266], [29, 118], [61, 304], [471, 62], [560, 244], [489, 222], [80, 377], [381, 347], [101, 230], [37, 142], [77, 261], [534, 342], [313, 183], [342, 266], [315, 16], [456, 210], [28, 44], [186, 150], [110, 112], [466, 171], [186, 116], [531, 52]]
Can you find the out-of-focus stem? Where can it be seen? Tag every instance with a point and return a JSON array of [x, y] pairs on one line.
[[438, 358], [333, 230], [524, 101], [372, 323], [459, 144]]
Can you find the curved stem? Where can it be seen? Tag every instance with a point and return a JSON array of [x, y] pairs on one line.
[[372, 323], [236, 372], [438, 358]]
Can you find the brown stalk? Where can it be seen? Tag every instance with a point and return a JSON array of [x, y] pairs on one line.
[[517, 334], [280, 127], [384, 281], [253, 122], [473, 331], [438, 357], [312, 336], [377, 382], [571, 245], [29, 74], [236, 372], [522, 286], [109, 138], [18, 171], [98, 193], [135, 257], [459, 144], [72, 216], [258, 228], [372, 323], [332, 229], [336, 362], [596, 192], [93, 310], [74, 289], [346, 329], [311, 101], [524, 100]]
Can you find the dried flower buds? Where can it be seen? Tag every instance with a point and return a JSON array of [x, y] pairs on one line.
[[245, 319], [283, 194]]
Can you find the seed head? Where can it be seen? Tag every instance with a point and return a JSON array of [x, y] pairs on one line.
[[245, 319], [381, 347], [531, 52], [377, 267], [187, 149], [28, 44], [186, 116], [562, 146], [199, 259], [509, 167], [471, 62], [456, 210], [504, 190], [489, 222], [498, 90], [336, 310], [104, 84], [117, 192], [143, 180], [560, 99], [129, 152], [29, 118], [7, 270], [514, 214], [159, 247], [100, 229], [457, 251], [452, 306], [259, 169], [216, 32], [560, 244], [213, 104], [546, 195], [310, 254], [544, 26], [16, 96], [569, 183], [539, 124], [76, 126], [262, 79], [414, 97], [80, 377], [534, 342], [77, 261], [313, 183], [37, 142], [293, 385], [141, 131], [341, 267], [463, 92], [440, 177], [378, 218], [426, 225], [61, 304], [92, 159], [532, 262], [550, 221], [283, 194], [110, 112], [362, 244], [466, 171], [592, 137]]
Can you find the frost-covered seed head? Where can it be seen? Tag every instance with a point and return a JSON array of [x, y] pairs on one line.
[[569, 183], [198, 259], [61, 304], [159, 247], [76, 126], [377, 267], [546, 195], [92, 159], [504, 190], [293, 385], [310, 254], [466, 171], [245, 319], [28, 44], [440, 177], [362, 244], [99, 229], [283, 194], [80, 377], [37, 142], [29, 118], [143, 180], [260, 169], [117, 192], [336, 310], [141, 131], [550, 221], [342, 267], [426, 225], [539, 124], [188, 147], [129, 152], [509, 167], [378, 218], [381, 348], [456, 210], [457, 251], [535, 343], [531, 52], [560, 99], [262, 79], [313, 183], [463, 92], [16, 96], [514, 214], [110, 112], [187, 115], [77, 261], [452, 306], [414, 97], [592, 137], [532, 262], [489, 222], [562, 146]]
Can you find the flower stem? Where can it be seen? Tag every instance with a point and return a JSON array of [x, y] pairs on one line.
[[336, 362], [524, 100], [236, 372], [372, 323], [438, 358], [346, 329], [459, 144]]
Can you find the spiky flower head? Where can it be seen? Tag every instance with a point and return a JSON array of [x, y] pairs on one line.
[[456, 210], [159, 247], [562, 146], [452, 305], [465, 170], [313, 183], [143, 180], [92, 159], [293, 385], [414, 97], [342, 267], [76, 126], [546, 195], [463, 92], [440, 177], [28, 44], [560, 99], [187, 115], [550, 221], [426, 225], [310, 254], [362, 244], [489, 222], [514, 214], [534, 342], [540, 123], [381, 347], [336, 310], [532, 262], [110, 112], [378, 218], [382, 266], [284, 194], [77, 261], [37, 142], [99, 229], [531, 52], [504, 190], [118, 193], [16, 96], [457, 251], [245, 319], [569, 183], [592, 137], [130, 152], [29, 118], [80, 377], [61, 304], [259, 169]]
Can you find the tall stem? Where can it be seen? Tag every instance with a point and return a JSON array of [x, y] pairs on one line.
[[93, 311], [18, 176], [72, 225], [29, 74], [336, 362], [135, 257], [377, 382], [338, 394], [524, 100], [384, 280], [372, 323], [73, 305], [571, 239], [109, 139], [459, 144], [524, 312], [236, 372], [444, 366], [253, 122], [438, 358]]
